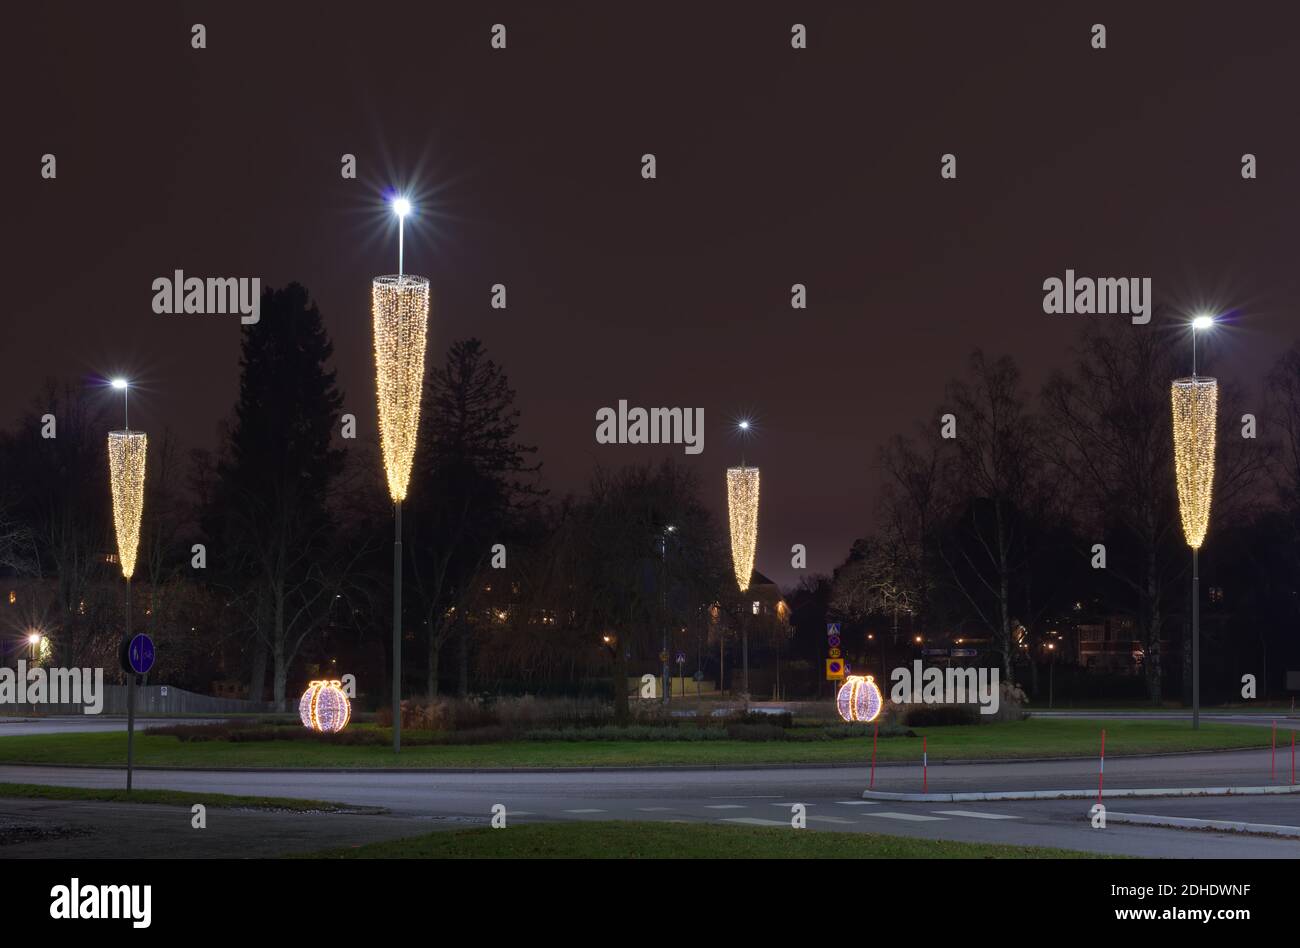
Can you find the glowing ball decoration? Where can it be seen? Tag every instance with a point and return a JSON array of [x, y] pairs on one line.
[[859, 699], [324, 707]]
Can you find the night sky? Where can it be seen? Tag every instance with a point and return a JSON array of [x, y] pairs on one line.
[[775, 166]]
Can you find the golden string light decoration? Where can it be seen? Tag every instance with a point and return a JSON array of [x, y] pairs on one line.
[[1195, 405], [400, 307], [126, 460], [742, 509]]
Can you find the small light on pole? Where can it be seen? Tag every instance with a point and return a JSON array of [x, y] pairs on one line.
[[401, 207], [123, 386]]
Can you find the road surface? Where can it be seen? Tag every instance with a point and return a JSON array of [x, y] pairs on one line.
[[419, 802]]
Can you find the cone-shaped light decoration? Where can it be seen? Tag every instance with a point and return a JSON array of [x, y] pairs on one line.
[[400, 305], [126, 457], [742, 508], [1195, 402]]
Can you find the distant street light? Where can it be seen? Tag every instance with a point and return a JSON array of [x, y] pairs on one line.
[[1195, 410], [400, 311]]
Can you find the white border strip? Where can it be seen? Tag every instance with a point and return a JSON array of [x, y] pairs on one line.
[[993, 795]]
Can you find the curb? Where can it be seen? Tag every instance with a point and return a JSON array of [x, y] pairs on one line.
[[1075, 794], [625, 768], [1189, 822]]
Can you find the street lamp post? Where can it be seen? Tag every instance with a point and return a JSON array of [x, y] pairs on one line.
[[400, 311], [1195, 408], [1051, 675], [663, 598], [742, 509], [127, 453]]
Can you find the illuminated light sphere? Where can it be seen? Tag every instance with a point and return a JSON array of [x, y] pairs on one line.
[[742, 509], [126, 459], [1195, 404], [859, 699], [119, 383], [400, 306], [401, 207], [324, 707], [1202, 322]]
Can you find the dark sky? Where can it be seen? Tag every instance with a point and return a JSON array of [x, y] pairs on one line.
[[775, 166]]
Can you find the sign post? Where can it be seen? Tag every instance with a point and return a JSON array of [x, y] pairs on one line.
[[137, 658]]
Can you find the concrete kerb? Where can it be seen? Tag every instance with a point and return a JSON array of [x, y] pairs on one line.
[[1197, 823], [995, 795]]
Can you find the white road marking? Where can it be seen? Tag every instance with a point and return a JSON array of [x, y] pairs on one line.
[[858, 802], [831, 819], [653, 809], [753, 821], [585, 811], [792, 803], [724, 806], [910, 817], [977, 816]]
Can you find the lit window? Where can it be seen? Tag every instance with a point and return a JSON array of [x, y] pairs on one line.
[[755, 607]]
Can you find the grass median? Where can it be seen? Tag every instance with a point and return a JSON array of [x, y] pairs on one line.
[[34, 791], [1035, 737], [645, 840]]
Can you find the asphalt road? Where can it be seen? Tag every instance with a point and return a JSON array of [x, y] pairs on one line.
[[422, 801], [419, 802]]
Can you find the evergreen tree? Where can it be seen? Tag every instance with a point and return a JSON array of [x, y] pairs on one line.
[[474, 481], [268, 515]]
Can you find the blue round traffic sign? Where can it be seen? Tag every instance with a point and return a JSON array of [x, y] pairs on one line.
[[139, 654]]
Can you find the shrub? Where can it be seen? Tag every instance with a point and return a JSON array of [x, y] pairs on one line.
[[940, 715]]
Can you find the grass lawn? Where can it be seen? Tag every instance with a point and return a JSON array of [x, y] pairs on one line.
[[1036, 737], [619, 840], [33, 791]]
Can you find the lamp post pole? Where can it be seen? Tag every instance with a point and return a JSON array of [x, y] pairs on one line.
[[663, 601], [1196, 639], [397, 627], [400, 311], [1195, 404]]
